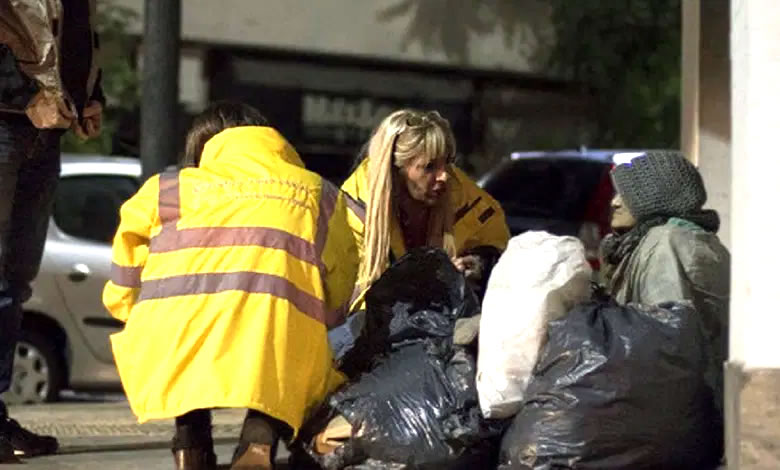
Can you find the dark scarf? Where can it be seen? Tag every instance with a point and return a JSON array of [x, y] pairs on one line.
[[614, 248]]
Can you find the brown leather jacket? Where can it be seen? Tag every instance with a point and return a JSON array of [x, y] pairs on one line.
[[32, 30]]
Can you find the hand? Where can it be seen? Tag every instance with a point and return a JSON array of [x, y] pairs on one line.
[[49, 110], [92, 118], [470, 265]]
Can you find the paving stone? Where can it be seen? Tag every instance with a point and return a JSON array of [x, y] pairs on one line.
[[77, 425]]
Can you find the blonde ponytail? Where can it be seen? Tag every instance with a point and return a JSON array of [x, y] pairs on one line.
[[401, 137]]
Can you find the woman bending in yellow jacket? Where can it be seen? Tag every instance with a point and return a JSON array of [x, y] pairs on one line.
[[228, 276], [407, 193]]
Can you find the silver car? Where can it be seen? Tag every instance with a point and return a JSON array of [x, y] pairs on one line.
[[65, 330]]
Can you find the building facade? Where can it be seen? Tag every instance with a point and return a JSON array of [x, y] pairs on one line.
[[325, 73]]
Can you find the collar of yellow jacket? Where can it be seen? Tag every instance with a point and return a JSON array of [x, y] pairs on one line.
[[248, 145]]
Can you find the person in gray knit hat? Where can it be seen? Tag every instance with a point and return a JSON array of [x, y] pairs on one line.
[[664, 246], [662, 183]]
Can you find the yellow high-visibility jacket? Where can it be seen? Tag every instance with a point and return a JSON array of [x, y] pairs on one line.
[[479, 219], [228, 277]]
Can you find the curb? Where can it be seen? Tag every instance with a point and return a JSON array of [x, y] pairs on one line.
[[69, 449]]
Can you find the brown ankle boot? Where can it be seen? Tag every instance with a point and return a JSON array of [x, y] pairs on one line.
[[253, 457], [194, 459]]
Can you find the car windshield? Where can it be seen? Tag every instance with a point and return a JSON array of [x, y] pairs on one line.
[[549, 188]]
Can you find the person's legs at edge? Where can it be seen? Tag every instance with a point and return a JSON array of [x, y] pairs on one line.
[[259, 440], [27, 183], [7, 454], [193, 446], [9, 313]]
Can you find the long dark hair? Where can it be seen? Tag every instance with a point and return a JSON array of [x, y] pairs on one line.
[[217, 117]]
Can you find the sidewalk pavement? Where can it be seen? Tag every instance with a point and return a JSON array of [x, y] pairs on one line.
[[106, 428], [143, 459], [86, 427], [92, 432]]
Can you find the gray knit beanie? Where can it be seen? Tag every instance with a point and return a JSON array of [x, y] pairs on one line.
[[660, 183]]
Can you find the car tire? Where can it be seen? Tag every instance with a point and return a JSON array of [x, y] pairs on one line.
[[38, 373]]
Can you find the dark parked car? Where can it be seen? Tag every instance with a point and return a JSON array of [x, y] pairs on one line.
[[562, 192]]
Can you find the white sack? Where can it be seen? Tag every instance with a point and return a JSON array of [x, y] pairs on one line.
[[539, 278]]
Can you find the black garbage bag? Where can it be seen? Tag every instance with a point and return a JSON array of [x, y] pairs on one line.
[[619, 388], [417, 405], [419, 298]]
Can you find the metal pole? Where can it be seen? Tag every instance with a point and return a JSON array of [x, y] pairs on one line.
[[160, 85]]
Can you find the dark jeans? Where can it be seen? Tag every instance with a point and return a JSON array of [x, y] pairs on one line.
[[29, 170], [193, 430]]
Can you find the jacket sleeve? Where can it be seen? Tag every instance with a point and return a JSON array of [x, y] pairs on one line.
[[16, 89], [340, 258], [130, 249], [356, 213], [668, 267], [29, 30], [491, 230], [484, 217], [675, 266], [660, 277], [356, 217]]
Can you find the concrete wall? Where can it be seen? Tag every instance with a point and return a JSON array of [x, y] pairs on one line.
[[367, 28], [706, 100], [233, 48], [691, 39]]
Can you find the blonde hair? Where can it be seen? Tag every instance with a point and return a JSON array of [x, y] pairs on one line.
[[400, 138]]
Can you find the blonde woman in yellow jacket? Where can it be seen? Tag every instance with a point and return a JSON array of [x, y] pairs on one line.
[[407, 193], [228, 276]]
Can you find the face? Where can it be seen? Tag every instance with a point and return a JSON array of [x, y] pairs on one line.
[[426, 181], [622, 219]]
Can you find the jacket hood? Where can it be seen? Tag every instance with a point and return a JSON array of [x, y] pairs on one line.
[[248, 150]]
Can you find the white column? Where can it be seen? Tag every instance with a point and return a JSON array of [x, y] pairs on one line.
[[689, 119], [755, 229], [706, 112]]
